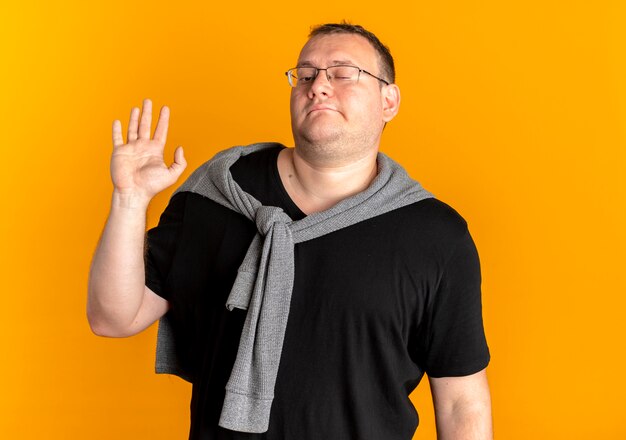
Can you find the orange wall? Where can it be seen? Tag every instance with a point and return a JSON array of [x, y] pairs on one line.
[[512, 112]]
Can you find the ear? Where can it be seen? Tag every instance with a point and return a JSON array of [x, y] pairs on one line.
[[390, 95]]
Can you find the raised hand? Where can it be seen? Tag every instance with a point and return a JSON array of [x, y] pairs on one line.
[[137, 167]]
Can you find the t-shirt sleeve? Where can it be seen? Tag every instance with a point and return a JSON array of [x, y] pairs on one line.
[[161, 245], [455, 339]]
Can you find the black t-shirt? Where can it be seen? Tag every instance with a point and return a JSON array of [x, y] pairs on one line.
[[374, 307]]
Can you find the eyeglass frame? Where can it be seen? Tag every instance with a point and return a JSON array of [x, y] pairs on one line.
[[318, 69]]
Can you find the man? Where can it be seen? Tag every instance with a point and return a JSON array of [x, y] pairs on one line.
[[344, 281]]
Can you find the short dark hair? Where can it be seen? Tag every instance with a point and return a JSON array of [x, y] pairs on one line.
[[385, 59]]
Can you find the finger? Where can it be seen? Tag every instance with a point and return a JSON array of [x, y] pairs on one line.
[[160, 132], [146, 120], [132, 124], [179, 164], [118, 140]]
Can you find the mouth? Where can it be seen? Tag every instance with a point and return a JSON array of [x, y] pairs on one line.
[[321, 108]]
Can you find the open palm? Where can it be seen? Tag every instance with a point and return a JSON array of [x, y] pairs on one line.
[[138, 167]]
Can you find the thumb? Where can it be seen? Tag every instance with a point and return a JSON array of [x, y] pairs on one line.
[[180, 163]]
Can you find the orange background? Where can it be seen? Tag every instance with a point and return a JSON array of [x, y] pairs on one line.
[[513, 112]]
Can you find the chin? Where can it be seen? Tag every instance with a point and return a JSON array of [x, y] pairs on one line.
[[324, 150], [322, 136]]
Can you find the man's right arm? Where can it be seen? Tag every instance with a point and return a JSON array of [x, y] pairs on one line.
[[118, 303]]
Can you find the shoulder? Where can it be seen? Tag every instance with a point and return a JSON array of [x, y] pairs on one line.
[[436, 214], [240, 156], [241, 162], [423, 234], [430, 220], [193, 211], [256, 164]]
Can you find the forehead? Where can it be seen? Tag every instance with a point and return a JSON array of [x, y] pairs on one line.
[[326, 50]]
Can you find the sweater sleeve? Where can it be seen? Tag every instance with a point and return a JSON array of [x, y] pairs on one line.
[[161, 245], [455, 339]]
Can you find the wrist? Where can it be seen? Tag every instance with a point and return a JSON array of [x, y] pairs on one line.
[[130, 200]]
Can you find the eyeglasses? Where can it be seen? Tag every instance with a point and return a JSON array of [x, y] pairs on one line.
[[336, 75]]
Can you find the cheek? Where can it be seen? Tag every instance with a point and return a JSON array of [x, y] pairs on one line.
[[296, 102], [291, 101], [365, 109]]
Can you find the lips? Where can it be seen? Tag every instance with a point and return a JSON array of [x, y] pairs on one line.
[[320, 107]]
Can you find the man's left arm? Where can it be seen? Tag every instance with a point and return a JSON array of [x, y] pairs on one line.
[[462, 407]]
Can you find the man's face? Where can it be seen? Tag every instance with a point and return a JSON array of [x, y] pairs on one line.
[[339, 121]]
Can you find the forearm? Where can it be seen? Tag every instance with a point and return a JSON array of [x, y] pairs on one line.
[[117, 277]]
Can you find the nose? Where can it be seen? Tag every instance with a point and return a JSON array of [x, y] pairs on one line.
[[321, 85]]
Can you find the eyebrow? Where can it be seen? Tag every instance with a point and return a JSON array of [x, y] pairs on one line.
[[334, 63]]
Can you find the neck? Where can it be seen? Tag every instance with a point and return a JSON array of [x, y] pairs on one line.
[[315, 187]]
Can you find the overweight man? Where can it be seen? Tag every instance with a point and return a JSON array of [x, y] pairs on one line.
[[304, 292]]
